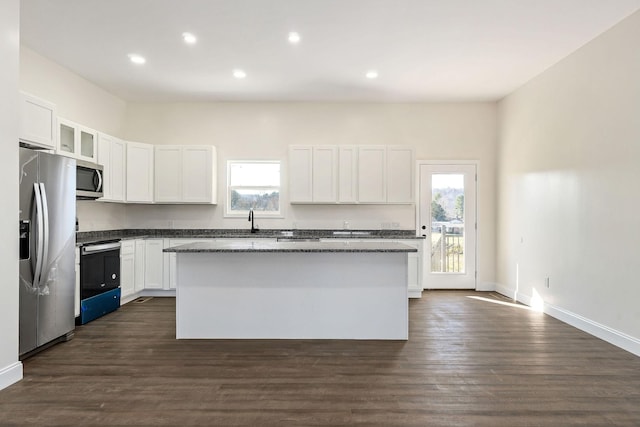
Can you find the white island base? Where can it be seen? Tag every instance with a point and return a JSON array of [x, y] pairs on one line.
[[292, 295]]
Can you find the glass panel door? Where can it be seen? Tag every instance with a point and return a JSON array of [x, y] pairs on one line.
[[448, 222]]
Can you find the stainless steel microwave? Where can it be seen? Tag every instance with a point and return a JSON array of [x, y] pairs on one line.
[[88, 180]]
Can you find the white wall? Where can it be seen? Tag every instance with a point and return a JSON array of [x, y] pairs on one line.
[[84, 102], [10, 367], [569, 159], [265, 130]]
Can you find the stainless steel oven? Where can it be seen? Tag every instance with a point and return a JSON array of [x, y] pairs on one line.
[[99, 279]]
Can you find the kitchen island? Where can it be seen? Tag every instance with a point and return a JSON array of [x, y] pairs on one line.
[[292, 290]]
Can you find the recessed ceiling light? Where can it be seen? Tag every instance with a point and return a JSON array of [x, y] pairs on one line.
[[294, 38], [372, 74], [189, 38], [239, 74], [137, 59]]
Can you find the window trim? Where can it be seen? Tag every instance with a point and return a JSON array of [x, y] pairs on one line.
[[258, 214]]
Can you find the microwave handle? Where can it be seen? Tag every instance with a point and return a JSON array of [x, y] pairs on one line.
[[99, 176]]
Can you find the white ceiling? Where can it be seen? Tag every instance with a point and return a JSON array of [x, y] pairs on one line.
[[423, 50]]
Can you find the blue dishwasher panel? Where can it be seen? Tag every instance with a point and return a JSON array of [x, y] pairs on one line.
[[99, 305]]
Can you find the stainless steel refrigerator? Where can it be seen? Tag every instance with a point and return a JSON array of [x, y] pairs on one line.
[[47, 249]]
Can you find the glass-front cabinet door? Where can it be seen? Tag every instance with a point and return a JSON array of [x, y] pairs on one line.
[[66, 138], [76, 141]]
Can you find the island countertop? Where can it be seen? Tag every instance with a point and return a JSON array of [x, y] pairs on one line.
[[201, 247]]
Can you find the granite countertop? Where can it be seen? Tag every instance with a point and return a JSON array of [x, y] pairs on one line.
[[202, 247], [85, 237]]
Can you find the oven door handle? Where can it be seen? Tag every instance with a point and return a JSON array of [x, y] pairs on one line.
[[102, 247]]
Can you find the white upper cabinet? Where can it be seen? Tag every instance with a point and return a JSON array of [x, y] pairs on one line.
[[400, 176], [112, 156], [324, 174], [185, 174], [372, 168], [300, 173], [139, 175], [168, 174], [37, 122], [77, 141], [313, 173], [348, 174]]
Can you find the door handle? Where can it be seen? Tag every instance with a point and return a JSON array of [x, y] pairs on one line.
[[40, 234], [45, 228]]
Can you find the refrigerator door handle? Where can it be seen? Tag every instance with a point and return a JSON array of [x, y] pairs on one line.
[[40, 234], [45, 226]]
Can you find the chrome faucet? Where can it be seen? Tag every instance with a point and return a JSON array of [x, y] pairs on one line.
[[253, 229]]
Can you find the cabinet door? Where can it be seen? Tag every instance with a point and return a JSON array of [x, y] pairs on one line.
[[168, 174], [104, 158], [139, 172], [37, 121], [127, 274], [118, 170], [324, 177], [153, 264], [139, 265], [372, 180], [199, 174], [300, 176], [111, 154], [400, 176], [77, 141], [67, 138], [86, 144], [348, 174]]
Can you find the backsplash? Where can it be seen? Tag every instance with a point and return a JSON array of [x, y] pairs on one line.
[[96, 215]]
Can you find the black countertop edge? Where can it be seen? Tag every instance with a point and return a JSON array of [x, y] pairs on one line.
[[83, 237]]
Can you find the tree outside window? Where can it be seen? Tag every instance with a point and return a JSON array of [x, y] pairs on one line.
[[253, 185]]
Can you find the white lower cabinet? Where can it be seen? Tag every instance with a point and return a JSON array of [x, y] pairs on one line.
[[153, 264], [139, 265], [127, 269]]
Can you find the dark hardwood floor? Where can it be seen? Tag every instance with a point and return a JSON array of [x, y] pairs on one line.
[[468, 362]]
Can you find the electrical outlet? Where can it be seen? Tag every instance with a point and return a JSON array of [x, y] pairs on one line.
[[395, 225], [546, 282]]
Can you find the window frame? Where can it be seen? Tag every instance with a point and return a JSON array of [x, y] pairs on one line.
[[228, 213]]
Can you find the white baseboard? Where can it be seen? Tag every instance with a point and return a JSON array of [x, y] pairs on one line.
[[485, 286], [610, 335], [10, 375], [157, 293], [415, 294]]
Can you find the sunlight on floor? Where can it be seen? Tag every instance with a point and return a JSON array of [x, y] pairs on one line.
[[509, 304]]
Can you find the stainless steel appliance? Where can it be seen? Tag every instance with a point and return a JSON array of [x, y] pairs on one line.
[[99, 280], [88, 180], [47, 249]]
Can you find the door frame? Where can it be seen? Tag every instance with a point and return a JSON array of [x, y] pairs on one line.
[[426, 261]]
